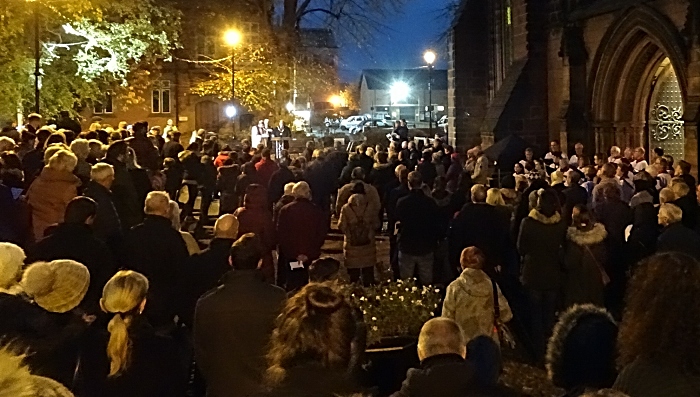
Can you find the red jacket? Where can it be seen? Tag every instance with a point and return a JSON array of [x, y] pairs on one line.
[[265, 168], [219, 161], [254, 217], [301, 230]]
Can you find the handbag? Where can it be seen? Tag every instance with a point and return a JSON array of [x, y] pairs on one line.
[[505, 336]]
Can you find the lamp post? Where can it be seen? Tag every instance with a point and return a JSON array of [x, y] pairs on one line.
[[37, 56], [232, 39], [429, 58]]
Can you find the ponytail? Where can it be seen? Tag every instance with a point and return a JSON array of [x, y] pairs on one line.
[[119, 345]]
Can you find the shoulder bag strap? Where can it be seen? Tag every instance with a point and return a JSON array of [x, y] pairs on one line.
[[496, 306]]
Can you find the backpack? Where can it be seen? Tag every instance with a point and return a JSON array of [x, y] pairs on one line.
[[358, 233]]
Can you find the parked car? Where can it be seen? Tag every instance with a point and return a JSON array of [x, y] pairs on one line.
[[366, 124], [351, 121]]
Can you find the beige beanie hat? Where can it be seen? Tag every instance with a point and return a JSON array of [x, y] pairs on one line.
[[11, 261], [57, 286]]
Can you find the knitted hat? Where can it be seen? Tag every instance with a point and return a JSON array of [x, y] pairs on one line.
[[58, 286], [11, 261]]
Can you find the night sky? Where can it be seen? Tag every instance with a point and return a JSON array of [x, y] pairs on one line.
[[418, 28]]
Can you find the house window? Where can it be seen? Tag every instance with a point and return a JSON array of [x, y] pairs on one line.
[[160, 97], [105, 106]]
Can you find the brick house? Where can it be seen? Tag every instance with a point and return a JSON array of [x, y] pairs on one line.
[[602, 72], [169, 96]]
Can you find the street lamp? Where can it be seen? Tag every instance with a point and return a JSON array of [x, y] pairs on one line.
[[290, 107], [399, 91], [336, 100], [429, 58], [37, 56]]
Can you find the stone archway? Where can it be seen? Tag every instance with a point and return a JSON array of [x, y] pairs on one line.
[[637, 51]]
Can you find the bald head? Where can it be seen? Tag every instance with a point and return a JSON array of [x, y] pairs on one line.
[[157, 203], [441, 335], [226, 227]]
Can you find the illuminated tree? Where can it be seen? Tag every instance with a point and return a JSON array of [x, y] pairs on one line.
[[88, 47]]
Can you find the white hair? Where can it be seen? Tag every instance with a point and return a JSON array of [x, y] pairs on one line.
[[101, 171], [157, 203], [174, 215], [81, 148]]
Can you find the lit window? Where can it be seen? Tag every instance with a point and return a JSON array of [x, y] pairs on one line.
[[509, 16], [160, 97], [105, 106]]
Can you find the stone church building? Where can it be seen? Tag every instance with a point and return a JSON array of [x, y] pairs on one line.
[[600, 72]]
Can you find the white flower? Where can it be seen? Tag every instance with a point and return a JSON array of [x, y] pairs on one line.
[[432, 314], [374, 319], [436, 305], [362, 298], [414, 289], [377, 297], [401, 297], [374, 328], [437, 290]]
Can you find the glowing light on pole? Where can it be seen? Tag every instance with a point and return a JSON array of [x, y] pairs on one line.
[[399, 91], [429, 58], [232, 38], [336, 101]]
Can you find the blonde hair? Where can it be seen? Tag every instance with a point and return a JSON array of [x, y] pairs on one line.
[[11, 260], [122, 296], [679, 187], [63, 160], [6, 144], [494, 197], [288, 188], [157, 203], [174, 215], [302, 190], [671, 213], [80, 148], [53, 149]]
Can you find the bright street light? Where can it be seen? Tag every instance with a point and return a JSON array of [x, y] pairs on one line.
[[230, 111], [336, 100], [232, 37], [399, 91], [429, 57], [290, 107]]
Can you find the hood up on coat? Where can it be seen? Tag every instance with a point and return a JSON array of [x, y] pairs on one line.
[[587, 237], [547, 220], [582, 350]]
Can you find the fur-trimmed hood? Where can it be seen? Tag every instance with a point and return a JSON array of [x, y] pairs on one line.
[[536, 215], [590, 237], [582, 349]]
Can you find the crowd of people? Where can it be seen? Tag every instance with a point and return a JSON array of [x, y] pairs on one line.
[[111, 286]]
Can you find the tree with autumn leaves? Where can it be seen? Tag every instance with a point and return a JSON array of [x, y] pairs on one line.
[[88, 47]]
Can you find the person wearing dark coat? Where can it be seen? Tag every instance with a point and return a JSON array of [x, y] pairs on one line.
[[172, 147], [279, 178], [490, 236], [106, 225], [124, 192], [584, 260], [139, 177], [322, 178], [574, 195], [582, 350], [383, 178], [365, 162], [74, 239], [144, 364], [443, 369], [687, 202], [615, 215], [540, 242], [234, 322], [248, 177], [418, 232], [427, 169], [192, 176], [48, 326], [301, 231], [156, 250], [392, 198], [676, 237], [33, 161], [203, 271], [226, 185], [346, 173], [255, 217], [146, 152]]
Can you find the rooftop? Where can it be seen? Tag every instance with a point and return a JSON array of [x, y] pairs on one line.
[[382, 79]]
